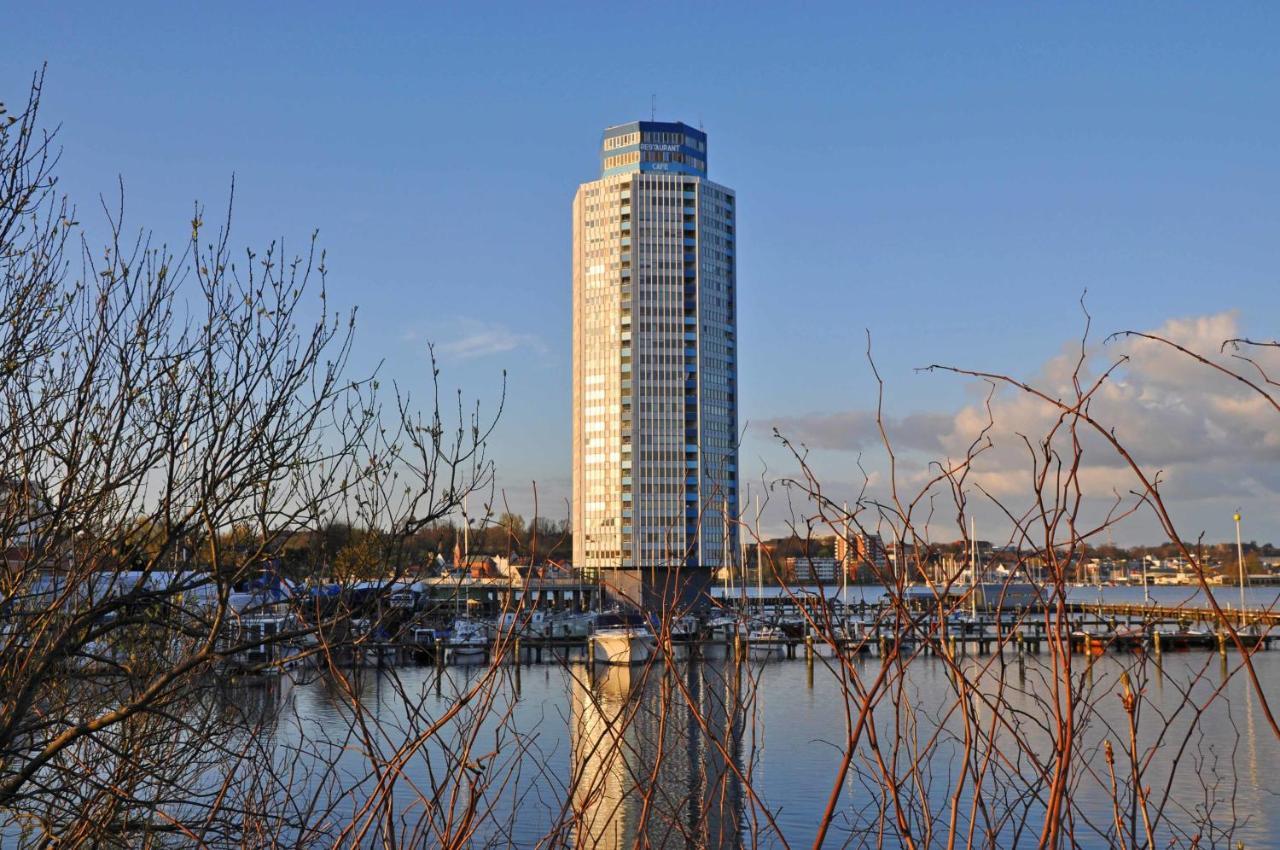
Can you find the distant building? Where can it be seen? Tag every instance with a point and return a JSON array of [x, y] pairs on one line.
[[842, 547], [863, 555], [820, 570], [478, 566], [485, 566]]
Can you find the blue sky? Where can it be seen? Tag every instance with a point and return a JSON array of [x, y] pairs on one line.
[[950, 178]]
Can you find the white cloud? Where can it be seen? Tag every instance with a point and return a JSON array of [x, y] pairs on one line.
[[1213, 440], [855, 430], [475, 338]]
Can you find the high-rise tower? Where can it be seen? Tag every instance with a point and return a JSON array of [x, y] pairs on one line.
[[655, 450]]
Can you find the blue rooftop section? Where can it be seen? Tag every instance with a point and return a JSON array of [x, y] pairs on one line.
[[653, 146]]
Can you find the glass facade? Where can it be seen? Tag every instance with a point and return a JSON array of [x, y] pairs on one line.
[[654, 349]]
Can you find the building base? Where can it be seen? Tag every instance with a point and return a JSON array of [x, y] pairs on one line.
[[658, 589]]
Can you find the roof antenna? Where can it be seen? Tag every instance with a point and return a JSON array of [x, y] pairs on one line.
[[653, 107], [700, 127]]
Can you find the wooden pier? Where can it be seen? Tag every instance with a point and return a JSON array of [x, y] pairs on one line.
[[1085, 636]]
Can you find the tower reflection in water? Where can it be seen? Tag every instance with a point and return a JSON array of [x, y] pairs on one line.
[[653, 750]]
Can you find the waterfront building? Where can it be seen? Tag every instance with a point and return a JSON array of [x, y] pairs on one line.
[[814, 570], [655, 477], [863, 555]]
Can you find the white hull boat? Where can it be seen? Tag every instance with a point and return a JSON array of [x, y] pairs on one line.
[[572, 625], [467, 652], [468, 641], [766, 642], [532, 625], [682, 634], [266, 652], [623, 639]]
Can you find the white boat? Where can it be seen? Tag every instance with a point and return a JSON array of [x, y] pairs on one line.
[[623, 639], [681, 635], [726, 626], [424, 643], [533, 624], [963, 623], [794, 625], [265, 650], [571, 624], [850, 634], [723, 631], [468, 640], [368, 643], [853, 637], [765, 641], [684, 629]]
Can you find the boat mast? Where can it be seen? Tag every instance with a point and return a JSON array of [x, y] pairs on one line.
[[1110, 570], [1240, 564], [743, 603], [844, 569], [466, 543], [726, 566], [759, 563], [973, 567], [724, 550]]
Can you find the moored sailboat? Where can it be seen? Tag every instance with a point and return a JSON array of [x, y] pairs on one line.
[[468, 640]]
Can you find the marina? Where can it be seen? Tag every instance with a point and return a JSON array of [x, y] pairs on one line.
[[787, 624]]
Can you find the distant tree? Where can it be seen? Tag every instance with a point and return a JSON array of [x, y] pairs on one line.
[[358, 560]]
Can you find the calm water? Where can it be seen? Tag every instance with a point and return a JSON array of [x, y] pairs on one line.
[[781, 725], [555, 754]]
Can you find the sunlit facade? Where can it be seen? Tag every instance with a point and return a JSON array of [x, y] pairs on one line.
[[654, 355]]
